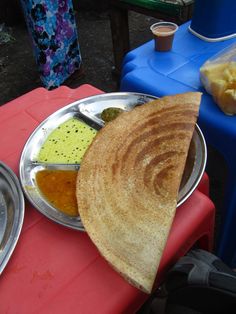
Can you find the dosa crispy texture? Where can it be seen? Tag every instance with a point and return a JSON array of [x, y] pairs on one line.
[[128, 184]]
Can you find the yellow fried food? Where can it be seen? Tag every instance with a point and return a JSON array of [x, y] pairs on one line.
[[220, 81]]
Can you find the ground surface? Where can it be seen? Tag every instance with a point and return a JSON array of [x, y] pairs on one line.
[[18, 71]]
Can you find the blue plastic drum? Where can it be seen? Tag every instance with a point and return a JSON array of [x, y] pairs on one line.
[[214, 20]]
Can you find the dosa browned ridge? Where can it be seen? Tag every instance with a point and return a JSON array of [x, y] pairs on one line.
[[128, 184]]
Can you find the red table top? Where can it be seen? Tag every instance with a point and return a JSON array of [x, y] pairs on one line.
[[54, 269]]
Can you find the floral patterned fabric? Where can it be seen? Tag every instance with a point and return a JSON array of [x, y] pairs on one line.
[[52, 26]]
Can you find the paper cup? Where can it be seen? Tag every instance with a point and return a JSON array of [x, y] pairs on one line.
[[163, 33]]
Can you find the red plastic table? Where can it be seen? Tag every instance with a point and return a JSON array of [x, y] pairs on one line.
[[54, 269]]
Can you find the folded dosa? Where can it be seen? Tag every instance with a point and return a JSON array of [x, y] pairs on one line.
[[128, 184]]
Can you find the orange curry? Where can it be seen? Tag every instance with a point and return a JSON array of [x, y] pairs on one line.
[[58, 187]]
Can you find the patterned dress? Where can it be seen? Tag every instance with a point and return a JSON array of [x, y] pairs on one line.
[[52, 27]]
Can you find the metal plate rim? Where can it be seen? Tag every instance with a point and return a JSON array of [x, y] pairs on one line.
[[11, 242]]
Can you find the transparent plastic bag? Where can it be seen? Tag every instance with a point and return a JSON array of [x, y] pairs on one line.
[[218, 76]]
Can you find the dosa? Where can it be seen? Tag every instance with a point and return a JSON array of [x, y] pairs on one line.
[[128, 183]]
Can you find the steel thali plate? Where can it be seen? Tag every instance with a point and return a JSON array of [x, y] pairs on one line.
[[89, 111], [12, 208]]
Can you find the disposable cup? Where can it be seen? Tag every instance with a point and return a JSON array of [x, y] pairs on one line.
[[163, 33]]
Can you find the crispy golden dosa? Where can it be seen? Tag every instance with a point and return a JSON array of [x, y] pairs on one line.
[[128, 184]]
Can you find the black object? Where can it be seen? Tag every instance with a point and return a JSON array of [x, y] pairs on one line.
[[200, 281]]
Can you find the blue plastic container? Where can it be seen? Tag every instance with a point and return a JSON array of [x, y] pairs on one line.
[[214, 20]]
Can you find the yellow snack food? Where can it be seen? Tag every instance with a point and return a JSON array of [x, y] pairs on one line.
[[219, 79], [67, 143]]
